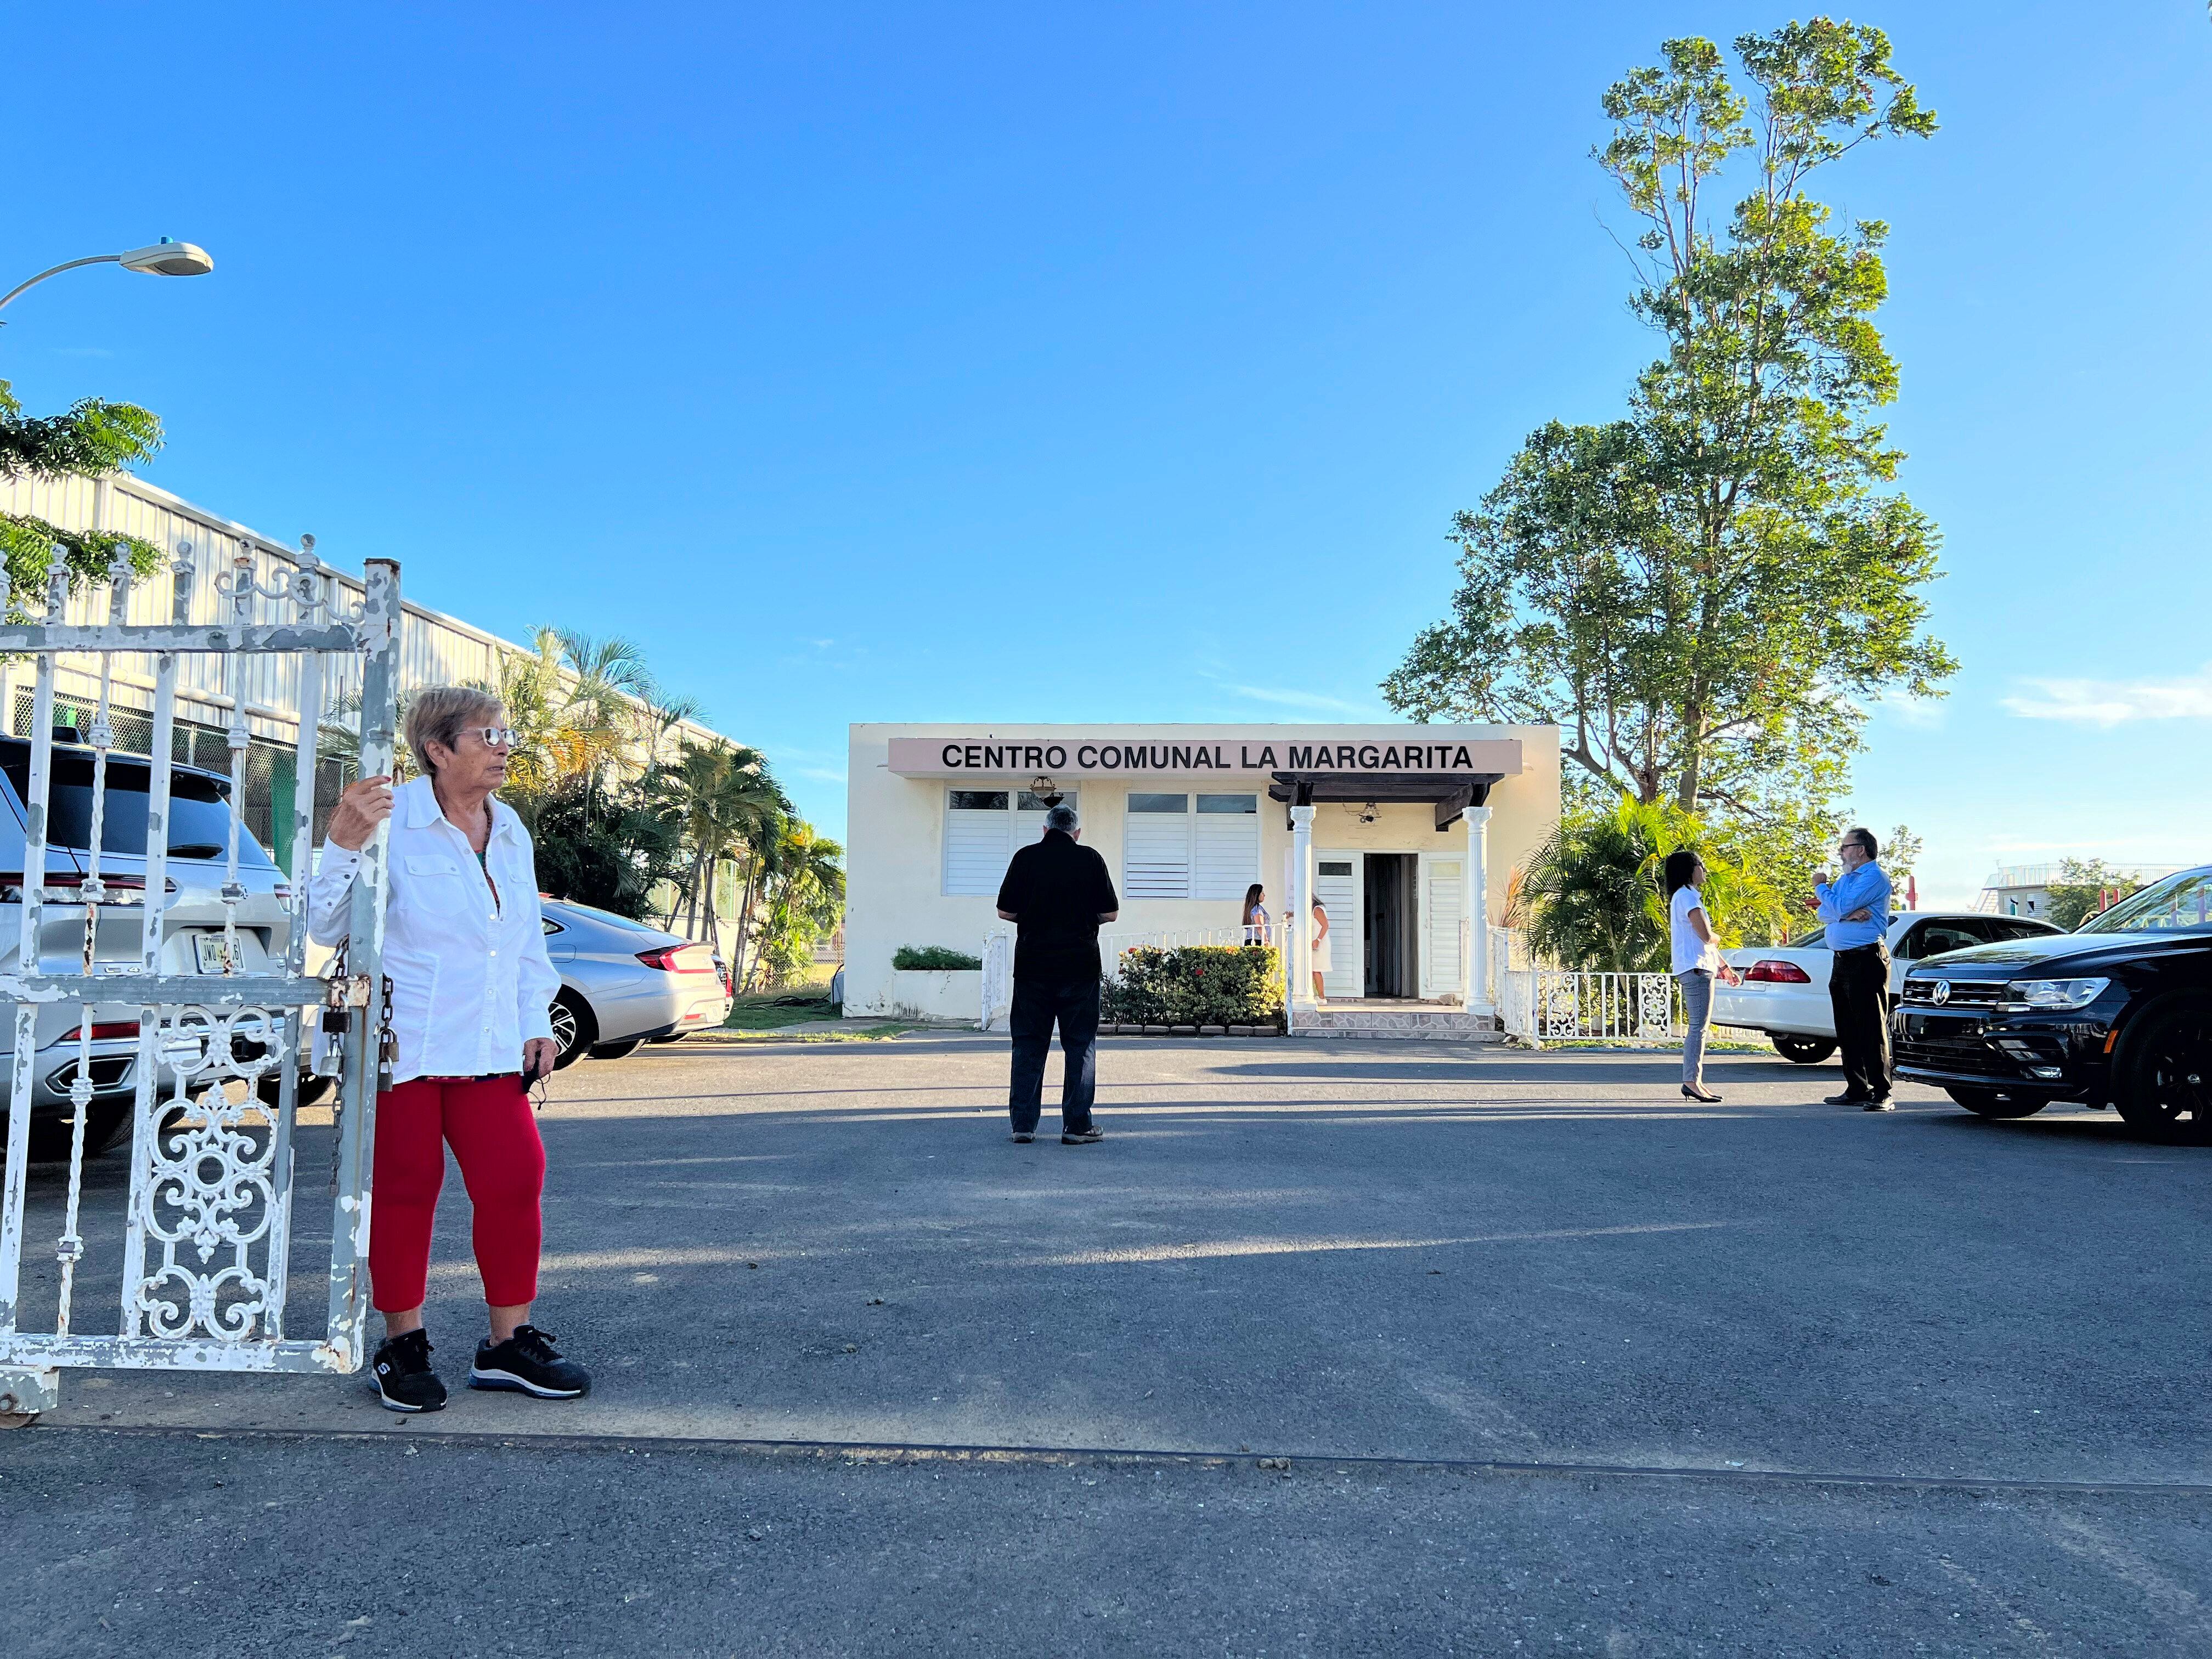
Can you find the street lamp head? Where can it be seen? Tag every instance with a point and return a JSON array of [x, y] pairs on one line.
[[168, 258]]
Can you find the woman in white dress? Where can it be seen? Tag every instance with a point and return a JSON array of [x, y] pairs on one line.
[[1696, 957], [1320, 951]]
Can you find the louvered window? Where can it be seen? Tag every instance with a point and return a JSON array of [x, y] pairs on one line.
[[1205, 847], [982, 827]]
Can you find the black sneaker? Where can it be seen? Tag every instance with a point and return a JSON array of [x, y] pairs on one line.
[[527, 1363], [404, 1381], [1879, 1104], [1023, 1137], [1080, 1137]]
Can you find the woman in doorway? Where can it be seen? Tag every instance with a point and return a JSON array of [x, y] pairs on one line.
[[1697, 958], [1255, 914], [470, 989], [1321, 950]]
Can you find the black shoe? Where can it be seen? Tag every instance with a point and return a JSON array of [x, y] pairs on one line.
[[1880, 1103], [1023, 1137], [1697, 1091], [1848, 1097], [404, 1381], [527, 1363], [1081, 1137]]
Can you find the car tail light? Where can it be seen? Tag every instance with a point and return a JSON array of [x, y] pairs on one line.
[[1767, 971], [680, 959], [119, 1029], [11, 884]]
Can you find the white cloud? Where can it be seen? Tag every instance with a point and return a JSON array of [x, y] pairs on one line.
[[2113, 702]]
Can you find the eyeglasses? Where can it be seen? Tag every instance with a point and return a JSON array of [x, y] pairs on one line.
[[495, 737]]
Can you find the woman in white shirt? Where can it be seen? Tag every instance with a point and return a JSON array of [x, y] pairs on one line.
[[470, 988], [1321, 953], [1697, 958]]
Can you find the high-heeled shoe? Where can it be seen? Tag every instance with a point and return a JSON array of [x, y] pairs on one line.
[[1703, 1096]]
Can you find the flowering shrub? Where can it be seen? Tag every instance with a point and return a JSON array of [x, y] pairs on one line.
[[1196, 985]]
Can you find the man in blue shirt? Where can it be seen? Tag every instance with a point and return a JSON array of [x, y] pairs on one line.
[[1856, 907]]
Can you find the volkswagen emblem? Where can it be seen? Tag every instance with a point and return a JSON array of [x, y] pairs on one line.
[[1942, 992]]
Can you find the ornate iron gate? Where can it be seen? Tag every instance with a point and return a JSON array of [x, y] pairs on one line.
[[207, 1236]]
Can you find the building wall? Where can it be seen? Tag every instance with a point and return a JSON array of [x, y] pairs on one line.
[[895, 850], [434, 649]]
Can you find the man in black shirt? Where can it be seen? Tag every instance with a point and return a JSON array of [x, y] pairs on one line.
[[1056, 893]]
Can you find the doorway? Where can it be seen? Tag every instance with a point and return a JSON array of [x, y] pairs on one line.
[[1391, 926]]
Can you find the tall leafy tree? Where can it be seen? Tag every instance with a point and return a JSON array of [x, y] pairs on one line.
[[1705, 592]]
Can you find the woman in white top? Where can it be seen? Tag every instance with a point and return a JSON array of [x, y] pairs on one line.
[[1321, 950], [1697, 958], [469, 985]]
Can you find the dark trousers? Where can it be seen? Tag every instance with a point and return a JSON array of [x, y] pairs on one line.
[[1858, 987], [1038, 1003]]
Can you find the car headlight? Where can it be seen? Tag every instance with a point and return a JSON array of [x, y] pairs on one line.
[[2026, 993]]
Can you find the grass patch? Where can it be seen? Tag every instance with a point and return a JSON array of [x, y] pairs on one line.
[[768, 1011]]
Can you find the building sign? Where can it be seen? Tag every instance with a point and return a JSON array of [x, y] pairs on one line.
[[1416, 749]]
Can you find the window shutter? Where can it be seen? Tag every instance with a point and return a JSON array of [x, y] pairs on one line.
[[1228, 859], [1156, 855], [977, 846]]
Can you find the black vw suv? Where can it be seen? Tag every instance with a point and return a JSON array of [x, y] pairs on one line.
[[2118, 1013]]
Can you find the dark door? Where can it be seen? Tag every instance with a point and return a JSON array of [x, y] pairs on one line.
[[1393, 961]]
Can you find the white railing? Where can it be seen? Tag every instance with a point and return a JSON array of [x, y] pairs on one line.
[[1552, 1004], [1113, 946], [998, 977]]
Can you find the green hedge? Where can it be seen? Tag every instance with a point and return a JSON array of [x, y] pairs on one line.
[[1196, 985], [928, 958]]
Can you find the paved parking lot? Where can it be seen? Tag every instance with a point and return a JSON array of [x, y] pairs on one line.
[[1557, 1359]]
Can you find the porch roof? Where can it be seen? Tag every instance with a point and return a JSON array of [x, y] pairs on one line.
[[1450, 793]]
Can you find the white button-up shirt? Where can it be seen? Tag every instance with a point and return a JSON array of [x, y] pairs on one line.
[[471, 981]]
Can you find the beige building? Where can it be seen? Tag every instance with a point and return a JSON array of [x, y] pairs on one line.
[[1393, 827]]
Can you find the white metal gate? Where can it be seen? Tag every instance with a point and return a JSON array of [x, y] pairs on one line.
[[207, 1234]]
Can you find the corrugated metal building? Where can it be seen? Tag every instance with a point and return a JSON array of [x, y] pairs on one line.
[[434, 649]]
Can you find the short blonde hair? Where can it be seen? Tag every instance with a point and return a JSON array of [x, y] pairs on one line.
[[437, 715]]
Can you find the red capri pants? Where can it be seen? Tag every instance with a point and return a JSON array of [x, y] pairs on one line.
[[495, 1138]]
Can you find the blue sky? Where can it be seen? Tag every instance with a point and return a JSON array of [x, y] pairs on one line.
[[1109, 362]]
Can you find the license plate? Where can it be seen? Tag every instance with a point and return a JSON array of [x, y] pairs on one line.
[[1941, 1025], [208, 954]]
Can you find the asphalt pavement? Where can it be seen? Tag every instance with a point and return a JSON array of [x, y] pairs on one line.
[[1330, 1347]]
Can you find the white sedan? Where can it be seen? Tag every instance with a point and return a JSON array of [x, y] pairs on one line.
[[1784, 993]]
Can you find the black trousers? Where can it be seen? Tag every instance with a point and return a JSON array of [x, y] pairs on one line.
[[1072, 1002], [1858, 987]]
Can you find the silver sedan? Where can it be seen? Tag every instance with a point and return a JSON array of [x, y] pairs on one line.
[[624, 983]]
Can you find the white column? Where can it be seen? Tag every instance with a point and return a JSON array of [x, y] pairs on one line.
[[1301, 916], [1475, 971]]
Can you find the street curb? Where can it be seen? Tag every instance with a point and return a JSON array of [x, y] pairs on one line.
[[866, 1451]]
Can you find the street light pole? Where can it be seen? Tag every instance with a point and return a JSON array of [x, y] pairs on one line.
[[164, 258]]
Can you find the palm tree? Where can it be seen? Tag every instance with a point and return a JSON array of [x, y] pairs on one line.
[[598, 723], [726, 800], [806, 895]]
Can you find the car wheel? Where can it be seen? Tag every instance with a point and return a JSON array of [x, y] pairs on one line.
[[104, 1122], [2166, 1070], [621, 1050], [1806, 1051], [574, 1028], [313, 1089], [1998, 1102]]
